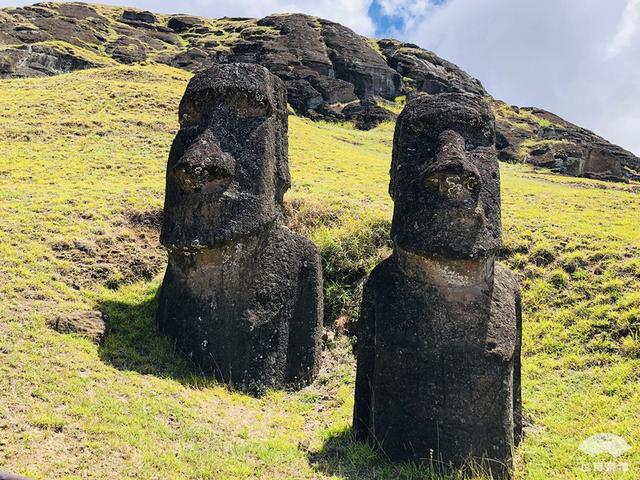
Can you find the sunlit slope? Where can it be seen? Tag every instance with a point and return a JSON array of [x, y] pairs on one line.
[[82, 161]]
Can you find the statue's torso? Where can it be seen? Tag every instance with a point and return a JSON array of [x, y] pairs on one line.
[[237, 302], [443, 359]]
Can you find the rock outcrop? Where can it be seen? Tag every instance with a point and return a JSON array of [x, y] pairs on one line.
[[41, 61], [367, 114], [329, 71], [438, 374], [538, 137], [322, 63], [424, 71], [242, 295], [90, 324]]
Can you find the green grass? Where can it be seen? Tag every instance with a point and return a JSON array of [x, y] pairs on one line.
[[528, 145], [522, 118], [83, 151]]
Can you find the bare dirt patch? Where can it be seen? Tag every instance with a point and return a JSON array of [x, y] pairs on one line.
[[128, 252]]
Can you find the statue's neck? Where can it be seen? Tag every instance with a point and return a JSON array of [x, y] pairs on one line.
[[223, 255], [445, 272]]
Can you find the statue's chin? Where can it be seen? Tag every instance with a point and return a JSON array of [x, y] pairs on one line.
[[443, 271]]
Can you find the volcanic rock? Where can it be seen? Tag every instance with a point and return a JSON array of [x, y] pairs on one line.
[[139, 16], [438, 370], [367, 114], [242, 295]]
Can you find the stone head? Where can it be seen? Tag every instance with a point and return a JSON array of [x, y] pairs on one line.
[[445, 178], [228, 169]]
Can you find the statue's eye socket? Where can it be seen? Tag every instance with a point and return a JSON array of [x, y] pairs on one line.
[[237, 105]]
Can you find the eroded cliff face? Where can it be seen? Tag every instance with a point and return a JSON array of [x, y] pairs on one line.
[[329, 71]]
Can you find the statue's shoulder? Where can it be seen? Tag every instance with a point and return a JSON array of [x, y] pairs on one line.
[[506, 280], [297, 244], [383, 276]]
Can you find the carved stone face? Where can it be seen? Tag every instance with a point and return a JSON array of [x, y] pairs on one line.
[[228, 169], [445, 178]]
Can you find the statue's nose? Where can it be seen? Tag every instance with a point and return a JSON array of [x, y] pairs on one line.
[[452, 174], [204, 166]]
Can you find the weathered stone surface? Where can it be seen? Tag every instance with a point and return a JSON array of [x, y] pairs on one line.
[[11, 476], [560, 145], [307, 71], [90, 325], [322, 63], [39, 61], [438, 374], [426, 218], [182, 23], [242, 295], [194, 59], [127, 50], [139, 16], [424, 71], [355, 61], [367, 114]]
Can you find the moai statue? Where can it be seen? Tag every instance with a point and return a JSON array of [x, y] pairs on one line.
[[438, 377], [242, 294]]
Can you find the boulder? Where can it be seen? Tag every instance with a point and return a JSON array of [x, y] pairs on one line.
[[242, 294], [90, 325], [182, 23], [11, 476], [126, 50], [367, 114], [139, 16]]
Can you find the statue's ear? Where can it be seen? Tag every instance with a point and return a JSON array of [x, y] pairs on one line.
[[281, 116]]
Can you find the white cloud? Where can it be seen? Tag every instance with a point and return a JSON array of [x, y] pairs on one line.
[[548, 53], [629, 25], [410, 11], [352, 13]]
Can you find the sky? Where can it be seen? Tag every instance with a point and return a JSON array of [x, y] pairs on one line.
[[579, 59]]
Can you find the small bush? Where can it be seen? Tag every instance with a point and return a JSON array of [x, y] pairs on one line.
[[349, 252]]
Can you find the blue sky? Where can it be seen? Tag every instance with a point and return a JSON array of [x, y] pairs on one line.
[[393, 17], [384, 23], [577, 58]]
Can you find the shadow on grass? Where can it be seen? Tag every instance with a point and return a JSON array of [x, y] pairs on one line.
[[342, 456], [133, 342]]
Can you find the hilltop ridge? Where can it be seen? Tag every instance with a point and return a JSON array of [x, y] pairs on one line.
[[330, 71]]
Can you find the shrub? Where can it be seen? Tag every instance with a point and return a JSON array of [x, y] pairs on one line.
[[349, 252]]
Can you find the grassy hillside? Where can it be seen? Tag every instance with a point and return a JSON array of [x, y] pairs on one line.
[[81, 184]]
